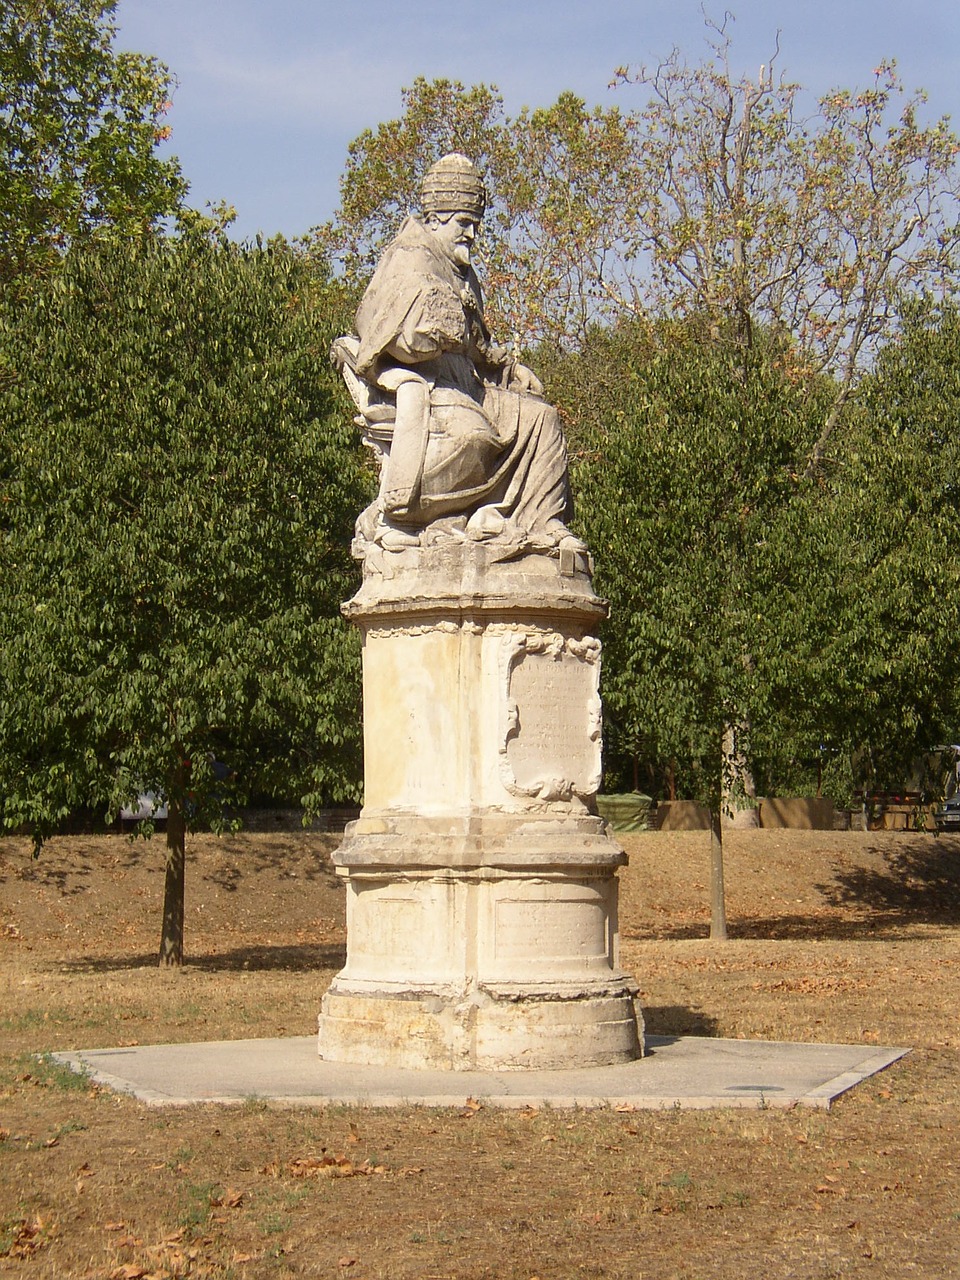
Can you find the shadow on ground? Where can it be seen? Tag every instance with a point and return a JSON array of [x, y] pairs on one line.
[[300, 958], [678, 1020], [919, 885]]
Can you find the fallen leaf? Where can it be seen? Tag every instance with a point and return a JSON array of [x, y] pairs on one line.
[[332, 1167], [23, 1237], [230, 1199]]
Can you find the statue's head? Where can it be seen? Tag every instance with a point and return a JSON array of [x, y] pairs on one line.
[[453, 200]]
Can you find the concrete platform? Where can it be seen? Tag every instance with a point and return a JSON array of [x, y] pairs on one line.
[[678, 1072]]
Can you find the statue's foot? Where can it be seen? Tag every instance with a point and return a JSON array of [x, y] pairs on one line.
[[561, 537], [486, 523], [393, 539], [570, 542]]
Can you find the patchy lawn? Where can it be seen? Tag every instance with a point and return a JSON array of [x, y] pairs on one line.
[[840, 936]]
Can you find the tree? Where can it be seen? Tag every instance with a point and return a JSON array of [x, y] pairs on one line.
[[897, 501], [684, 454], [742, 210], [79, 128], [178, 484]]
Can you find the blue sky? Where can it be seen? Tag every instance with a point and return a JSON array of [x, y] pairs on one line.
[[272, 91]]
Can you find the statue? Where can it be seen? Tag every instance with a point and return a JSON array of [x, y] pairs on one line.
[[481, 883], [469, 448]]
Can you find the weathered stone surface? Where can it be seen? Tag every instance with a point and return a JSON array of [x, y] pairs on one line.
[[481, 885], [467, 445]]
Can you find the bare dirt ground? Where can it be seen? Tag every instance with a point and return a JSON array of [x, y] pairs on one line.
[[834, 937]]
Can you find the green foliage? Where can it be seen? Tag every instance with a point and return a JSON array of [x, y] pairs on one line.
[[79, 128], [685, 466], [819, 610], [178, 483], [897, 501]]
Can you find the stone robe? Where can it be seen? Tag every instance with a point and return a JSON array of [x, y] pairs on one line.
[[486, 449]]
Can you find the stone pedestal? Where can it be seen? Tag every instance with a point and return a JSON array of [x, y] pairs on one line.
[[481, 886]]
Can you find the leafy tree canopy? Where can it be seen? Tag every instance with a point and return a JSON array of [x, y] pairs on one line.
[[897, 486], [178, 484], [79, 128], [685, 472], [716, 197]]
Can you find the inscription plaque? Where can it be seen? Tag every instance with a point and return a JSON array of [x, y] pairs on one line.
[[551, 733]]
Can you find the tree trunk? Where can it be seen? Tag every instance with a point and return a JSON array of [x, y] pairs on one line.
[[738, 793], [171, 937], [718, 908]]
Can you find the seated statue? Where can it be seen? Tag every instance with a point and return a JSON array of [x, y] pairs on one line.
[[470, 449]]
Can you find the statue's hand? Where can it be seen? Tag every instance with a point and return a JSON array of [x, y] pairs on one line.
[[525, 380]]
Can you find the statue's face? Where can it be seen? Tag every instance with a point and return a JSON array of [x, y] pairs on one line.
[[455, 235]]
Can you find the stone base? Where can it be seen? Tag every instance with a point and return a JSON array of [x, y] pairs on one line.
[[480, 883], [480, 1030], [489, 943]]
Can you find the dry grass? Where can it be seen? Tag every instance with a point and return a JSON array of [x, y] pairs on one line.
[[836, 937]]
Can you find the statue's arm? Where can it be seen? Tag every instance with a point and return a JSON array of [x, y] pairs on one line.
[[499, 365]]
